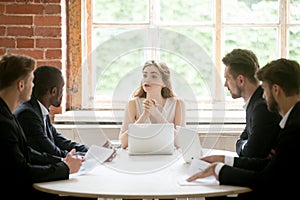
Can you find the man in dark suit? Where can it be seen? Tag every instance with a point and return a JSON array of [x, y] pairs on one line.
[[276, 176], [33, 115], [262, 126], [21, 166]]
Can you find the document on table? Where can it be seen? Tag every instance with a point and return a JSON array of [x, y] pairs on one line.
[[95, 156], [196, 166]]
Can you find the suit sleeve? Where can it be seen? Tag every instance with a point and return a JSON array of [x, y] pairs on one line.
[[241, 141], [66, 144], [23, 166], [36, 135], [264, 130]]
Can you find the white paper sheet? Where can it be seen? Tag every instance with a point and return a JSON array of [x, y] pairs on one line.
[[196, 166], [95, 156]]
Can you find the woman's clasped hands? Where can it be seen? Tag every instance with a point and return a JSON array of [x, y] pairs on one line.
[[149, 105]]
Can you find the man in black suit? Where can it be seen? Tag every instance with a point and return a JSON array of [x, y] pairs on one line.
[[22, 166], [276, 176], [33, 115], [262, 126]]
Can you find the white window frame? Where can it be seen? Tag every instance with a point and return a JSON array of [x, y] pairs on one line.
[[88, 101]]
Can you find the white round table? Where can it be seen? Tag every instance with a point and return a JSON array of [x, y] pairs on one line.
[[140, 177]]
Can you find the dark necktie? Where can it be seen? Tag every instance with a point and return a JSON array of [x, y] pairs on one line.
[[49, 133]]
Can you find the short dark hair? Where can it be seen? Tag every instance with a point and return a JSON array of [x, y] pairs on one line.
[[283, 72], [45, 79], [14, 67], [242, 61]]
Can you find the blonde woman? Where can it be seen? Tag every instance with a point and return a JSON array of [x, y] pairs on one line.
[[154, 101]]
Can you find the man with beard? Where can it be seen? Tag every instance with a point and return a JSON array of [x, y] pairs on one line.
[[33, 115], [261, 131], [273, 177]]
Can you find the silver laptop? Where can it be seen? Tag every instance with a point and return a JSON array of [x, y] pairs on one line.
[[189, 143], [151, 139]]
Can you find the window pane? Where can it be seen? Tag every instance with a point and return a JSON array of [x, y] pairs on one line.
[[114, 55], [245, 11], [116, 10], [192, 62], [188, 11], [293, 43], [115, 58], [190, 81], [294, 11], [102, 35], [201, 36], [262, 41], [120, 78]]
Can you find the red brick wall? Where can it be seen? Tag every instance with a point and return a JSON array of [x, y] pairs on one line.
[[34, 28]]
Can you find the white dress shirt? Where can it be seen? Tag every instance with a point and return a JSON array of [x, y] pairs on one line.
[[45, 112], [230, 160]]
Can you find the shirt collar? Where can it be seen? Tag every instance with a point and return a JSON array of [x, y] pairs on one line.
[[246, 103], [284, 118], [43, 109]]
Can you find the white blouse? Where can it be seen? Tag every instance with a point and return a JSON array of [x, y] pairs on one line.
[[168, 111]]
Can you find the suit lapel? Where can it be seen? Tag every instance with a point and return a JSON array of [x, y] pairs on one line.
[[49, 132]]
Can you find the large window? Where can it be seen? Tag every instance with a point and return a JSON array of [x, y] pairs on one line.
[[190, 36]]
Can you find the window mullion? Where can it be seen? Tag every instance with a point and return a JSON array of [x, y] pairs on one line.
[[283, 13], [153, 34], [218, 89]]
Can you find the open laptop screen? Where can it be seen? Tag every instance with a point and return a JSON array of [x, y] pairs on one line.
[[151, 139], [189, 143]]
